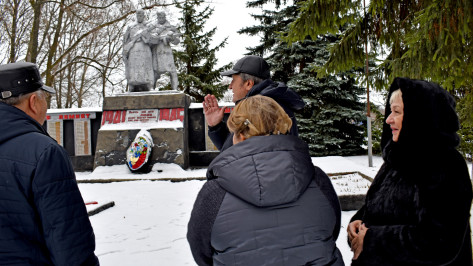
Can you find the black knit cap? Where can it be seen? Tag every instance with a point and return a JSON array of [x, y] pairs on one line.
[[20, 78], [251, 64]]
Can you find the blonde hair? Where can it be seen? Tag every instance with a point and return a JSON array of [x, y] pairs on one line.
[[397, 94], [259, 116]]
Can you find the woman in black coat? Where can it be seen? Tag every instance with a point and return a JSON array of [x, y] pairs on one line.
[[417, 210], [265, 203]]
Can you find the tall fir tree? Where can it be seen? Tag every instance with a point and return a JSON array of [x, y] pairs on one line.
[[196, 61], [429, 40], [331, 122]]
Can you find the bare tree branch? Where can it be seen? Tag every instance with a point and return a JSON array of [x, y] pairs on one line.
[[94, 7], [97, 28]]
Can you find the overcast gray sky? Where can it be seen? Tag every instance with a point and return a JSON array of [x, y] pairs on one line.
[[229, 16]]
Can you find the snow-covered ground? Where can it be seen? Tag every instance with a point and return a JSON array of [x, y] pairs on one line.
[[148, 224]]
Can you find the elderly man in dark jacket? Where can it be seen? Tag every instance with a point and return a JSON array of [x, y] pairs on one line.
[[250, 76], [43, 219]]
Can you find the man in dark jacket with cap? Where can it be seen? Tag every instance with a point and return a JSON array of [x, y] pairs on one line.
[[250, 76], [43, 219]]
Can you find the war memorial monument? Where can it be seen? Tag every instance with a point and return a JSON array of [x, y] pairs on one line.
[[143, 112]]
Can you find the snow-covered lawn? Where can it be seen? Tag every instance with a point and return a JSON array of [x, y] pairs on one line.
[[148, 224]]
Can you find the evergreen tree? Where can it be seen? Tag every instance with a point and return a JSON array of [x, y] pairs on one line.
[[431, 40], [197, 60], [331, 122]]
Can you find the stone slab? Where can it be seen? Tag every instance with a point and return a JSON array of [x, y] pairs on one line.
[[170, 145], [146, 100]]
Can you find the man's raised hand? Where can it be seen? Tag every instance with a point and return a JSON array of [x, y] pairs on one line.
[[213, 113]]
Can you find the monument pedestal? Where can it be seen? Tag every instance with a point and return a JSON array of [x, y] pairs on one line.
[[162, 113]]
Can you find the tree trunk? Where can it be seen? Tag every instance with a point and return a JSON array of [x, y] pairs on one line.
[[32, 52], [14, 26], [53, 49]]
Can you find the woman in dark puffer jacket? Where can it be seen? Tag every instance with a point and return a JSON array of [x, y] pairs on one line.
[[417, 211], [264, 202]]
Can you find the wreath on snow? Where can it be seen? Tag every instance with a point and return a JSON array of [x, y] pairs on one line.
[[138, 153]]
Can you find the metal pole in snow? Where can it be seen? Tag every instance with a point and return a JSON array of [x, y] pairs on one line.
[[368, 111]]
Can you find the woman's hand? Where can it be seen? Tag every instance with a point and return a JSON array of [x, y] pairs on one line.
[[357, 241], [353, 228]]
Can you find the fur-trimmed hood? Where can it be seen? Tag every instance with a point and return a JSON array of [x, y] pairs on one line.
[[429, 124]]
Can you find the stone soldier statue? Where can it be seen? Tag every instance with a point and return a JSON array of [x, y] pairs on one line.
[[137, 55], [162, 35]]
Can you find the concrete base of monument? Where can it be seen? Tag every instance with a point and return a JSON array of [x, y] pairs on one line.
[[160, 113]]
